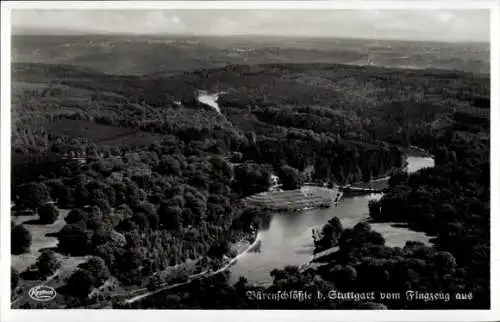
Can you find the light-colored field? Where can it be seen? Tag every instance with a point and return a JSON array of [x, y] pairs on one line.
[[308, 196], [398, 236], [41, 241]]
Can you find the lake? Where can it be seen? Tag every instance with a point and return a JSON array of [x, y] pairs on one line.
[[288, 238]]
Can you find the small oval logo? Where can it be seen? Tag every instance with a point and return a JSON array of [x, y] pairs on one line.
[[42, 293]]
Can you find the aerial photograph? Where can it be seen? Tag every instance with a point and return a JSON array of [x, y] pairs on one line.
[[250, 159]]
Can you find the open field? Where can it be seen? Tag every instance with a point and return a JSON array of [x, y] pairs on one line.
[[43, 238], [99, 133], [40, 238], [307, 197], [93, 132]]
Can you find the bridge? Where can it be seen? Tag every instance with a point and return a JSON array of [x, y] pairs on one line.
[[347, 189]]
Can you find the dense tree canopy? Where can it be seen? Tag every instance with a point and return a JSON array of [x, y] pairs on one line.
[[151, 184], [14, 278], [290, 178], [48, 213], [250, 178], [47, 263], [80, 283], [32, 195], [20, 239]]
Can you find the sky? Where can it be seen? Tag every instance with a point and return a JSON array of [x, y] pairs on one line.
[[437, 25]]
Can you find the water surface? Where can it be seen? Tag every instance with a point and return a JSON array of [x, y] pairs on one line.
[[288, 238], [209, 99]]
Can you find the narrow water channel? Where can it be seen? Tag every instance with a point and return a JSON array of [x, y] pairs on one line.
[[209, 99]]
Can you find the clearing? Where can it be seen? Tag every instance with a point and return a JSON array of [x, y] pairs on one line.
[[43, 238]]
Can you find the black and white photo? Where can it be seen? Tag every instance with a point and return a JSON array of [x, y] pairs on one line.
[[258, 159]]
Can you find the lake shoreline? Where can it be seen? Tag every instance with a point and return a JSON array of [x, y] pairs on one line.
[[287, 240]]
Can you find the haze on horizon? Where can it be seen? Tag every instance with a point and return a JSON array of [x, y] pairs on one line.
[[469, 25]]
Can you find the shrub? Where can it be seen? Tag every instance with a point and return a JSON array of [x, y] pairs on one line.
[[14, 278], [47, 263], [80, 283], [48, 214], [20, 239]]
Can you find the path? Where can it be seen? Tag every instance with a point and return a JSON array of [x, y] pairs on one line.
[[192, 277]]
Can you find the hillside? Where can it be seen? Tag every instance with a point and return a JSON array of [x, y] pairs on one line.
[[140, 55], [151, 178], [356, 103]]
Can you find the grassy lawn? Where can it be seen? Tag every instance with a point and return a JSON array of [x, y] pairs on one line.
[[41, 241], [293, 198]]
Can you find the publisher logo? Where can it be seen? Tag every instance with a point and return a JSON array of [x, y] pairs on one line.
[[42, 293]]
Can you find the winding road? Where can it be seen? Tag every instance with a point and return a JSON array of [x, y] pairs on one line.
[[195, 276]]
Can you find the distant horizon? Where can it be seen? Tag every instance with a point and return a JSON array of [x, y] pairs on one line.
[[63, 32], [450, 26]]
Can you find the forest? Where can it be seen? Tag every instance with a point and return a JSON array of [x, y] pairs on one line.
[[170, 191], [450, 202]]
